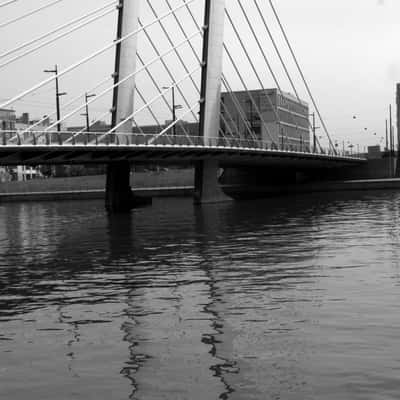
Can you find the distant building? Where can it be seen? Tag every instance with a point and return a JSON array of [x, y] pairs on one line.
[[285, 119], [9, 125], [7, 120]]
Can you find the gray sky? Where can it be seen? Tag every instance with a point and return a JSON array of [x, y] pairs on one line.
[[347, 48]]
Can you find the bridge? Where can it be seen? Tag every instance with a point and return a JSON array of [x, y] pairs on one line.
[[243, 127]]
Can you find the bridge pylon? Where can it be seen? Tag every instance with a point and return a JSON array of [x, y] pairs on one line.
[[207, 189], [119, 196]]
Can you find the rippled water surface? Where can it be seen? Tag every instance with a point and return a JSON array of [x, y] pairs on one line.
[[292, 298]]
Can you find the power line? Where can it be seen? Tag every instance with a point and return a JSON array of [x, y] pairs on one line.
[[28, 14]]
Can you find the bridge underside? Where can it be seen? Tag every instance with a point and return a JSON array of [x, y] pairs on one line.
[[259, 167], [52, 155]]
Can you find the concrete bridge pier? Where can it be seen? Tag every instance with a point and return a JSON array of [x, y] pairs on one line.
[[119, 196], [207, 188]]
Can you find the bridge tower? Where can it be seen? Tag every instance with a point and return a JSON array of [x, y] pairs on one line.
[[207, 189], [119, 195]]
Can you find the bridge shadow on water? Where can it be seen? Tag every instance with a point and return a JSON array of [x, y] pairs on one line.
[[189, 278]]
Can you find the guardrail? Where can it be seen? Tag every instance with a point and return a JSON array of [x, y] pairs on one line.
[[70, 139]]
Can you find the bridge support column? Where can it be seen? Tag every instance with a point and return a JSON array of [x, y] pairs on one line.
[[207, 188], [213, 50], [119, 196]]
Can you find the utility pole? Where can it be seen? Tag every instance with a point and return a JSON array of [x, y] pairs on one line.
[[314, 130], [398, 130], [174, 108], [387, 136], [391, 129], [314, 134], [87, 97], [58, 95], [391, 141], [173, 111]]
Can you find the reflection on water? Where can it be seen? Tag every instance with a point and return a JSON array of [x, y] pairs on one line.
[[291, 298]]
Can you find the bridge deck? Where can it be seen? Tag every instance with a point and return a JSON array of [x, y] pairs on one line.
[[55, 149]]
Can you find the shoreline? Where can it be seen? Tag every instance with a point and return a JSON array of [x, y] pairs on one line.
[[187, 191]]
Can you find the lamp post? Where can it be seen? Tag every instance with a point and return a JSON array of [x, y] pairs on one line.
[[174, 107], [351, 148], [314, 129], [87, 97], [58, 95]]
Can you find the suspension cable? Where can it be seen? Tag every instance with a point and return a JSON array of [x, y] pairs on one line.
[[302, 76], [226, 84], [226, 110], [250, 61], [105, 114], [248, 92], [6, 3], [183, 30], [170, 74], [54, 113], [168, 36], [88, 58], [28, 14], [270, 68], [61, 35], [149, 108], [154, 99], [84, 129], [59, 28], [260, 13], [157, 86], [173, 123], [129, 76], [239, 108]]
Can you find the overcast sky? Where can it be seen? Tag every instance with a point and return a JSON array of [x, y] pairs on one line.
[[347, 48]]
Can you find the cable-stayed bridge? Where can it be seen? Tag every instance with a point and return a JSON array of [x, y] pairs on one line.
[[210, 56]]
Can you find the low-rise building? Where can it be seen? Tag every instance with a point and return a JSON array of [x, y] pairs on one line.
[[9, 126], [270, 115], [7, 119]]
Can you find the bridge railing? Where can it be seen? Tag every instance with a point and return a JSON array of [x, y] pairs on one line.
[[68, 139]]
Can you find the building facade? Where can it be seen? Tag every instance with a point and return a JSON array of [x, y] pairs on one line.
[[273, 117], [7, 120], [9, 125]]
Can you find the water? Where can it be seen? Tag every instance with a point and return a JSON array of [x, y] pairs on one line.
[[292, 298]]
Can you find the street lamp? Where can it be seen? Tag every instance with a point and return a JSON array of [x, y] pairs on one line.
[[58, 95], [314, 129], [174, 107], [87, 97]]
